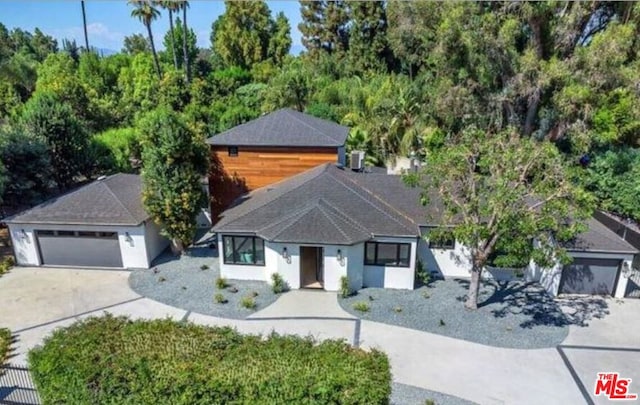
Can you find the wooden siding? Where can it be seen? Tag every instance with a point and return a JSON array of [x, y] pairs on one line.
[[255, 167]]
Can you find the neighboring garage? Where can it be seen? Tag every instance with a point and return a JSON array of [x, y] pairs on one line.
[[102, 224]]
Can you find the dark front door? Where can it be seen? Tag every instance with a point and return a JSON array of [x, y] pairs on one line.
[[311, 267], [590, 276]]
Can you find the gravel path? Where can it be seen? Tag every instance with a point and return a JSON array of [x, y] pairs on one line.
[[511, 314], [408, 395], [182, 283]]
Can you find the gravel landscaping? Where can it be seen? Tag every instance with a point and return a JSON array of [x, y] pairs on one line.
[[511, 314], [184, 282], [408, 395]]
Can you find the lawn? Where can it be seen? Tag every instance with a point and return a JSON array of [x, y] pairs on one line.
[[511, 314], [116, 360]]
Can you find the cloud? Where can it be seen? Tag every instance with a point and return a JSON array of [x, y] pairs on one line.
[[100, 35]]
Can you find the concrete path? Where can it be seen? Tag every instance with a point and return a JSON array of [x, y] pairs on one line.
[[33, 302]]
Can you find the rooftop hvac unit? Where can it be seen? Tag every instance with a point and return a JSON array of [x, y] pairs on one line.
[[357, 160]]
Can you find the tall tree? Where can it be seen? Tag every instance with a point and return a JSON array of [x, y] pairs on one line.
[[280, 39], [504, 194], [136, 43], [146, 12], [324, 27], [84, 26], [53, 120], [178, 33], [171, 6], [184, 5], [368, 46], [174, 161]]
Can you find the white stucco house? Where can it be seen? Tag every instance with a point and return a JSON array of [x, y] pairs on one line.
[[330, 222], [102, 224]]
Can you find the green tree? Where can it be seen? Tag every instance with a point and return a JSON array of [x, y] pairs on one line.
[[502, 192], [171, 6], [146, 12], [368, 46], [184, 5], [138, 87], [174, 161], [178, 33], [290, 88], [135, 43], [53, 120], [324, 27], [280, 41]]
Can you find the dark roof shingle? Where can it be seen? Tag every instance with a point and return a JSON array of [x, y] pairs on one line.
[[599, 238], [115, 200], [284, 127]]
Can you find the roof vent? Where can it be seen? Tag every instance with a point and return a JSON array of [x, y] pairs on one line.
[[357, 160], [101, 178]]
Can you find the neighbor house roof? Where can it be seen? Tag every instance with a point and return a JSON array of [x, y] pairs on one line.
[[327, 204], [114, 200], [599, 238], [284, 127]]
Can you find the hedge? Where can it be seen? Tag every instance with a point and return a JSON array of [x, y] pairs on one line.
[[5, 344], [117, 360]]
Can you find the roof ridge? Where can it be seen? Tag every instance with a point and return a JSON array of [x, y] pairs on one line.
[[297, 213], [289, 112], [344, 217], [377, 198], [326, 215], [104, 182], [302, 214]]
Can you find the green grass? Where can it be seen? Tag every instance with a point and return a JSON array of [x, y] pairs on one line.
[[117, 360]]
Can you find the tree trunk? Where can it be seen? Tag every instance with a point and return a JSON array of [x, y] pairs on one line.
[[84, 25], [173, 40], [185, 52], [153, 51], [177, 247], [474, 287]]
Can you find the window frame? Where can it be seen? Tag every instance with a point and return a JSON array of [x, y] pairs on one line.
[[398, 257], [442, 244], [233, 262], [233, 151]]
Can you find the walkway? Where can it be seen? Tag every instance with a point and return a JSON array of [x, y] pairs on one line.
[[479, 373]]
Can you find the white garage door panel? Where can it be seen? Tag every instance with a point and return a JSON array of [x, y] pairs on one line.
[[590, 276], [80, 251]]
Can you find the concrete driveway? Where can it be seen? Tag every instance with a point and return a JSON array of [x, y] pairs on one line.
[[35, 301]]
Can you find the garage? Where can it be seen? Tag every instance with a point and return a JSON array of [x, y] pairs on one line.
[[590, 276], [100, 225], [79, 248]]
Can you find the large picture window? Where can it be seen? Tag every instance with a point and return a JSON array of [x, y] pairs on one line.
[[387, 254], [243, 250]]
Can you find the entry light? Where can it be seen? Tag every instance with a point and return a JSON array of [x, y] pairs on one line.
[[285, 253], [128, 238], [339, 255], [24, 235]]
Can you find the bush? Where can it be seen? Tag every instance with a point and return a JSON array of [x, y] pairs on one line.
[[248, 302], [5, 344], [361, 306], [345, 290], [6, 264], [117, 360], [423, 277], [204, 267], [122, 144], [278, 284], [219, 299], [221, 283]]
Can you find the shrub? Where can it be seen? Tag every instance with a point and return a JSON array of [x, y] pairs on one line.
[[5, 344], [422, 276], [442, 322], [345, 290], [122, 144], [204, 267], [361, 306], [278, 284], [248, 302], [397, 309], [6, 264], [161, 279], [111, 360], [220, 299], [221, 283]]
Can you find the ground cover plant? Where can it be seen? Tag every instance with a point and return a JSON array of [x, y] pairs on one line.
[[116, 360]]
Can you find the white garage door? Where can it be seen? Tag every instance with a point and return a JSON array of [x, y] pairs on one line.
[[590, 276], [79, 248]]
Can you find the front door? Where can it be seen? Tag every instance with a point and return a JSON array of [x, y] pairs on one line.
[[311, 267]]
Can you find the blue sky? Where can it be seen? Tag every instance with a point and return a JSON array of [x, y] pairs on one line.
[[109, 21]]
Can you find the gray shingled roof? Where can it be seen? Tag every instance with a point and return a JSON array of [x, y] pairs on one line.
[[599, 238], [284, 127], [323, 205], [114, 200]]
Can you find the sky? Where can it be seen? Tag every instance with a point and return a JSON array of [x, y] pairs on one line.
[[109, 21]]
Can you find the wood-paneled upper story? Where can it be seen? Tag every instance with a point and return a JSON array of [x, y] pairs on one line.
[[235, 170]]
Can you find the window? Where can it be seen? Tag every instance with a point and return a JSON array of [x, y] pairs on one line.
[[46, 233], [110, 235], [85, 234], [448, 242], [66, 233], [233, 151], [243, 250], [387, 254]]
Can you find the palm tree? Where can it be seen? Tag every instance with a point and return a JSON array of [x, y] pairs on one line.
[[84, 25], [146, 13], [171, 6], [184, 5]]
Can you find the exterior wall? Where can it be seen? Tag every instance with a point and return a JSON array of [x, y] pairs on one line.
[[388, 276], [444, 262], [351, 265], [255, 167], [134, 253], [342, 155], [155, 242]]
